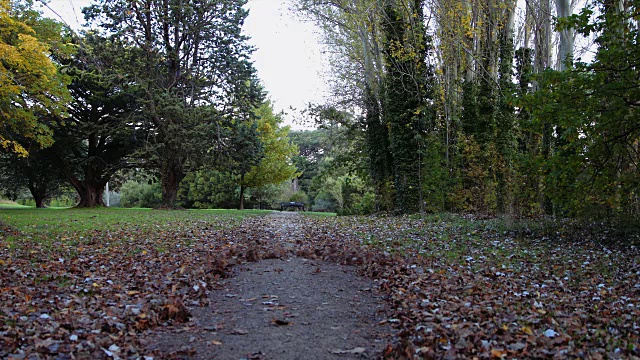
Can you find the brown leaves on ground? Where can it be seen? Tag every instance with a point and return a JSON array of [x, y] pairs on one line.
[[464, 290], [80, 296], [457, 288]]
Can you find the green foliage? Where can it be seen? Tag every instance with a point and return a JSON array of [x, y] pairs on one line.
[[268, 196], [324, 202], [434, 176], [141, 195], [299, 196], [208, 189], [592, 169], [276, 165], [32, 89], [336, 150], [197, 83]]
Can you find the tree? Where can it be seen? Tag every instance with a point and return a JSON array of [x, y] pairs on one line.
[[31, 88], [276, 166], [193, 68], [594, 109], [353, 32], [408, 89], [333, 159], [247, 152], [38, 173], [104, 127]]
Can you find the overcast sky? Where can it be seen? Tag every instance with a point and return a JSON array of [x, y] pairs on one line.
[[288, 55]]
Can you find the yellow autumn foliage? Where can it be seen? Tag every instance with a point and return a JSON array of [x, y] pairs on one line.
[[30, 86]]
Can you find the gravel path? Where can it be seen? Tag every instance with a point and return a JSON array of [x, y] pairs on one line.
[[287, 308]]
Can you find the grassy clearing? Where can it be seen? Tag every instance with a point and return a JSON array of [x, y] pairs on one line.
[[8, 204], [75, 225]]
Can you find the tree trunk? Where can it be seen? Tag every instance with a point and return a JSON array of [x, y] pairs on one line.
[[170, 184], [39, 202], [505, 129], [38, 189], [565, 46], [377, 135], [242, 187], [172, 173], [379, 156], [89, 190], [90, 195]]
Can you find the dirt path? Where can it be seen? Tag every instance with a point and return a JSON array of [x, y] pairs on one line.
[[287, 308]]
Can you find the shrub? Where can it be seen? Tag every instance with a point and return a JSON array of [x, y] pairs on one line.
[[135, 194], [299, 196], [324, 202]]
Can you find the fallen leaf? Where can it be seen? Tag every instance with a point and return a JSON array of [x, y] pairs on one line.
[[527, 330], [517, 346], [358, 350], [497, 353], [279, 322]]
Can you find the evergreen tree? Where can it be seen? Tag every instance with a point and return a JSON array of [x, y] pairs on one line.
[[104, 127], [192, 64]]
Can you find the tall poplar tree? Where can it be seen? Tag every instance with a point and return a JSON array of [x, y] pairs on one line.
[[408, 91]]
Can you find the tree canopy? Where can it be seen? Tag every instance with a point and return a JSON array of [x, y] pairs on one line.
[[190, 59], [32, 90]]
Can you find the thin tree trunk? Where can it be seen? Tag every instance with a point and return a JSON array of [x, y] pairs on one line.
[[242, 187], [565, 47]]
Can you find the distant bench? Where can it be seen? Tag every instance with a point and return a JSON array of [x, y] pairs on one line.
[[287, 205]]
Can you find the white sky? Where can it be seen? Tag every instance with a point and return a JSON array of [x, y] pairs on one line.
[[288, 53]]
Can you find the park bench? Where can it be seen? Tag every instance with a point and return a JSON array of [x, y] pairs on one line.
[[291, 204]]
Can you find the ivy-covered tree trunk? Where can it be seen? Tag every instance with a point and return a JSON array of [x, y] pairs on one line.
[[379, 156], [505, 119], [404, 106], [242, 188]]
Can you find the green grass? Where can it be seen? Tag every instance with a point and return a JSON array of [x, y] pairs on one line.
[[53, 223], [318, 214], [8, 204]]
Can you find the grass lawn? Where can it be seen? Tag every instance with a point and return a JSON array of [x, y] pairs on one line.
[[318, 214], [73, 225]]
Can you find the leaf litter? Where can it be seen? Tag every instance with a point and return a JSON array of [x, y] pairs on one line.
[[454, 290]]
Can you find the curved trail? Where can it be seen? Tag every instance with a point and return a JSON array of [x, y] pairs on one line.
[[283, 308]]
